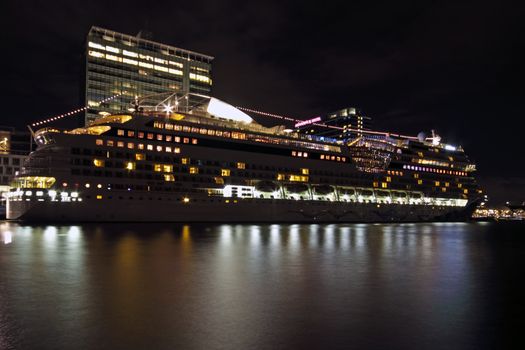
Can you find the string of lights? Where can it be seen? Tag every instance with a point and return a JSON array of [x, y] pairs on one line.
[[58, 117], [387, 134]]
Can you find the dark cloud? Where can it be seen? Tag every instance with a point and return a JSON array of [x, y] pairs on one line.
[[452, 66]]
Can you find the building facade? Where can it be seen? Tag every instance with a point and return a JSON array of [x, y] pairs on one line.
[[342, 124], [132, 67]]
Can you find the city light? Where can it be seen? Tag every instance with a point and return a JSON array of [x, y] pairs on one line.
[[58, 117]]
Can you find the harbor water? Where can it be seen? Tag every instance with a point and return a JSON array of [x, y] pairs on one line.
[[173, 286]]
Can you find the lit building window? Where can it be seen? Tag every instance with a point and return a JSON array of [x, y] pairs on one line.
[[375, 184], [140, 146], [194, 141], [388, 179], [157, 167], [219, 180], [139, 156], [225, 172], [98, 162], [305, 171], [186, 140], [141, 135], [149, 147], [130, 165], [299, 178], [168, 149], [384, 184], [149, 136], [131, 133], [281, 177], [194, 170], [167, 168], [241, 165], [131, 145], [185, 160], [120, 144], [159, 137], [99, 142], [169, 177], [176, 150], [159, 148], [416, 176], [120, 132], [110, 143], [436, 183], [419, 182], [465, 191]]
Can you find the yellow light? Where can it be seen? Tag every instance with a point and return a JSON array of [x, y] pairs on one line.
[[98, 162], [225, 172], [130, 165], [305, 171], [241, 165], [99, 196], [169, 177], [139, 156], [194, 170], [186, 200]]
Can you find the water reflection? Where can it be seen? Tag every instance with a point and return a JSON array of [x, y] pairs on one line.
[[243, 286]]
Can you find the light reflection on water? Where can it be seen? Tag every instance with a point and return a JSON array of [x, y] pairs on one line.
[[250, 286]]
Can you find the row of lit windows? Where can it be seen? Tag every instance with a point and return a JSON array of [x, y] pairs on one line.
[[135, 62], [197, 77], [244, 136], [383, 184], [432, 170], [134, 54], [300, 154], [292, 177], [395, 172], [140, 146], [330, 157], [430, 162], [158, 137]]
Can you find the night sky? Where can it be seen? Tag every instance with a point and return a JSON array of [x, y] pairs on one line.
[[456, 67]]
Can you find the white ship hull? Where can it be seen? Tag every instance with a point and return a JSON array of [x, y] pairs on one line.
[[235, 210]]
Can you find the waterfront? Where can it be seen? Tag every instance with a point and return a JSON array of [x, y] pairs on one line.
[[137, 286]]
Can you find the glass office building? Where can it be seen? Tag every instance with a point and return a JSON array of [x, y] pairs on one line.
[[131, 67]]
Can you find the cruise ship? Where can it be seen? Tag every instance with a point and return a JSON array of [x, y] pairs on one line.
[[212, 162]]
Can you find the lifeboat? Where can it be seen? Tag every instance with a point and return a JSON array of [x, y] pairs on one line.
[[266, 186], [367, 193], [347, 191], [383, 193], [322, 189], [296, 188]]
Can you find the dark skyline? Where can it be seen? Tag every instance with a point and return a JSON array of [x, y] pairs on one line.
[[456, 67]]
